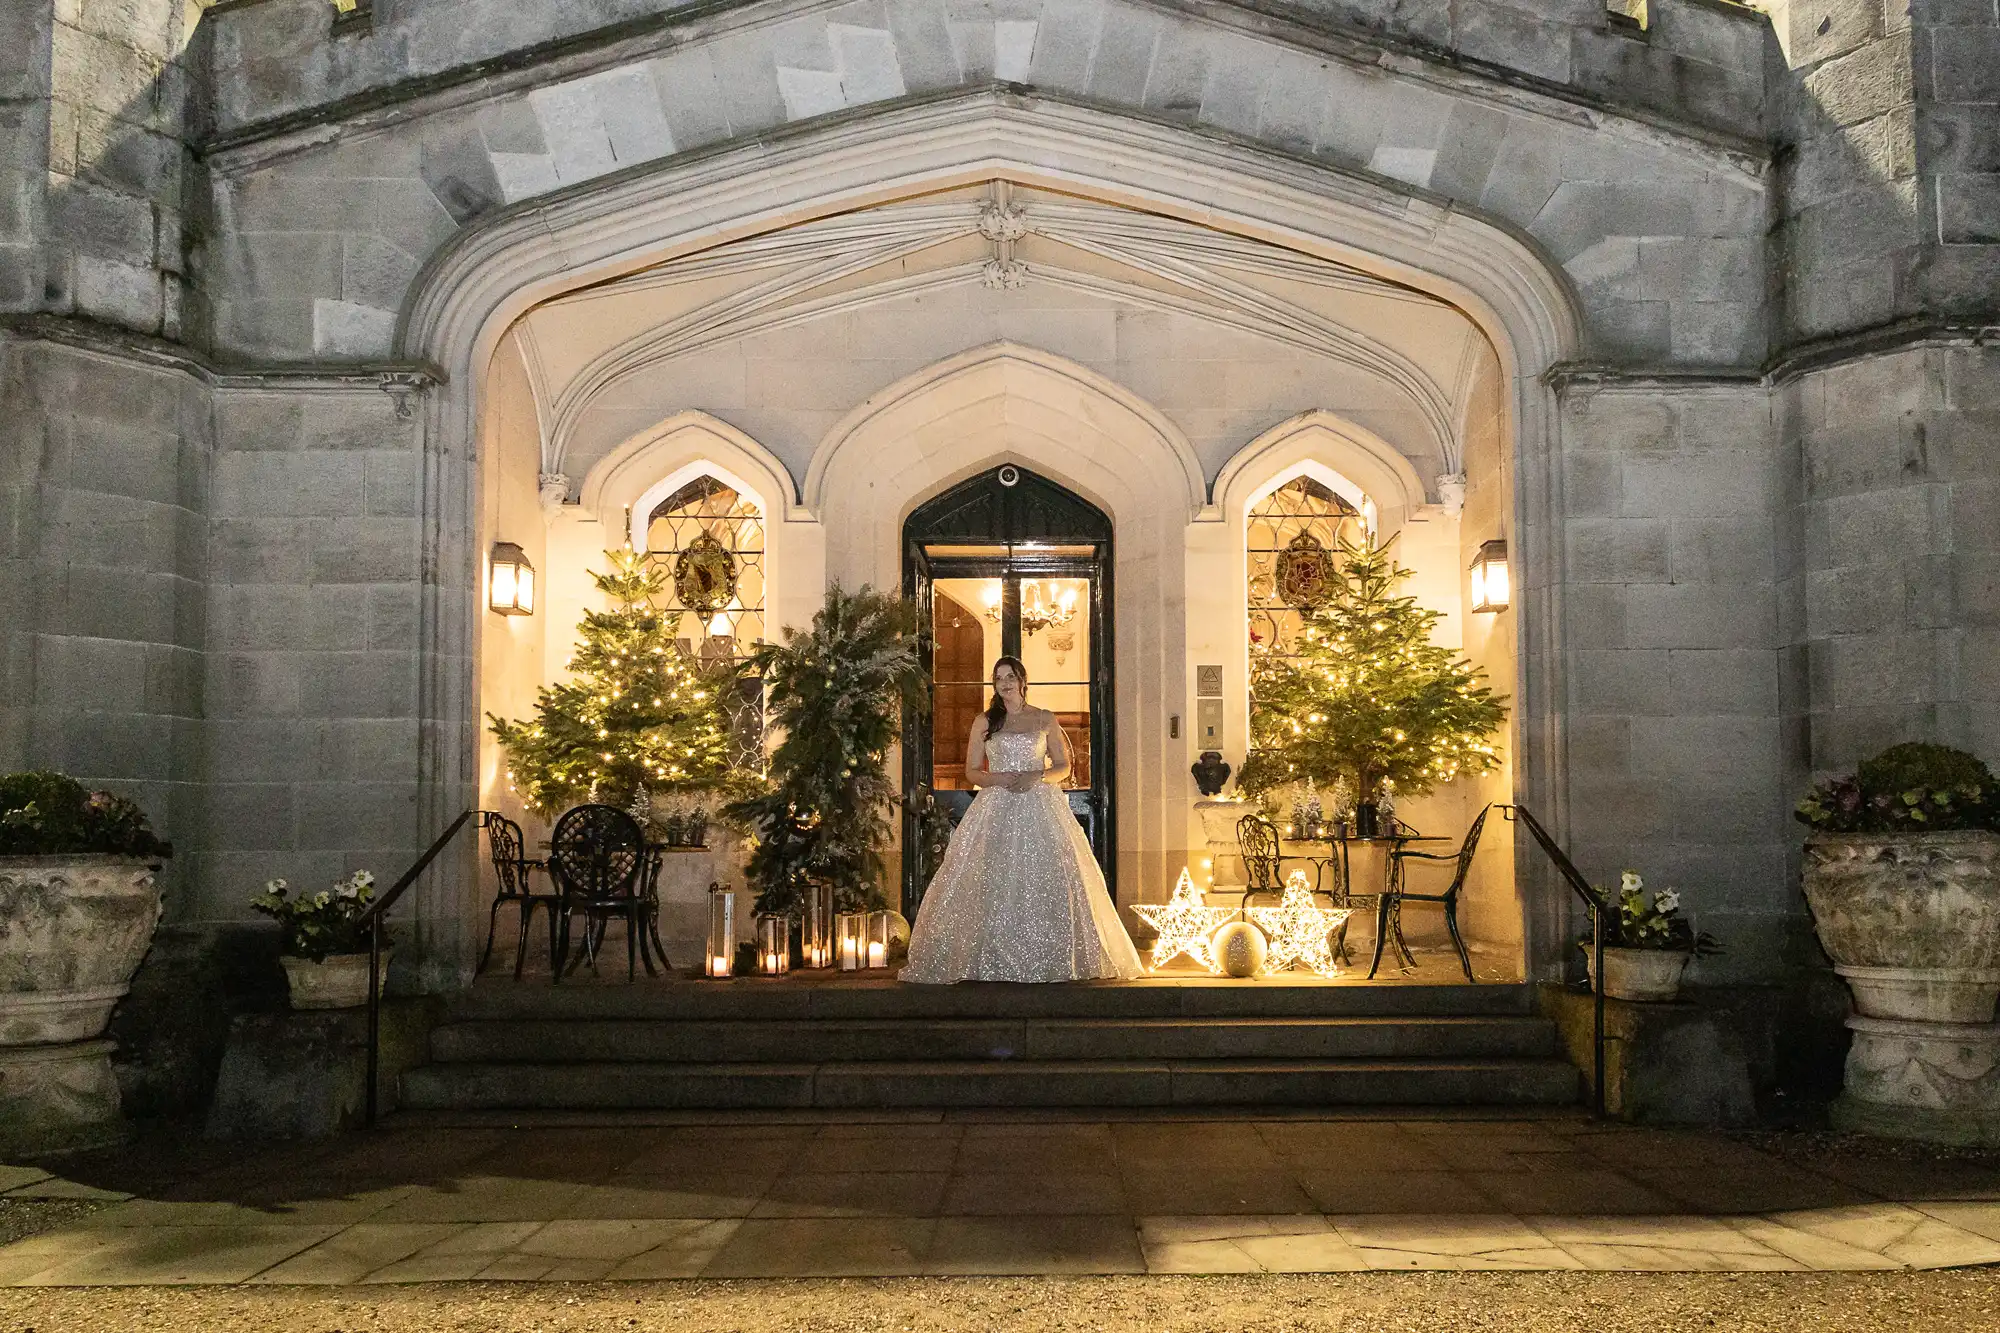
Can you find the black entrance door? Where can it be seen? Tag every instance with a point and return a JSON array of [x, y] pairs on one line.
[[1007, 563]]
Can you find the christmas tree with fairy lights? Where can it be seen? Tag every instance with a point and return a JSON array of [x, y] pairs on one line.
[[639, 713], [1365, 694]]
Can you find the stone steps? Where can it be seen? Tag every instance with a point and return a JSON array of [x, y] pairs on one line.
[[968, 1083], [749, 999], [854, 1045], [824, 1041]]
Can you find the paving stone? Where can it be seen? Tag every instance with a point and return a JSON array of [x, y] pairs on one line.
[[824, 1247], [685, 1253], [352, 1254], [18, 1177], [1896, 1232], [1363, 1190], [864, 1194], [1001, 1245], [1038, 1194], [727, 1194], [180, 1255]]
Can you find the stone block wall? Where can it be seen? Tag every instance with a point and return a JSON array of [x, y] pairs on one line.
[[317, 238], [103, 566], [1894, 585], [1889, 125], [94, 163], [1699, 60], [1676, 753], [311, 691]]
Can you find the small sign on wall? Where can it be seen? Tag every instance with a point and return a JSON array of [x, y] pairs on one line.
[[1208, 723], [1208, 682]]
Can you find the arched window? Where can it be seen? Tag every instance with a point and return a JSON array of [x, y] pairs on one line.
[[1292, 542], [709, 541]]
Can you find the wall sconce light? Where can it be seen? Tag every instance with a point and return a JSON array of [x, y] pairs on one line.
[[511, 586], [1490, 589]]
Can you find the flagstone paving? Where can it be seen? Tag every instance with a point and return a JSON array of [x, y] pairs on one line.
[[672, 1197]]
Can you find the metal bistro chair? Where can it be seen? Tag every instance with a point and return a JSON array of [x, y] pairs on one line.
[[1391, 905], [598, 856], [515, 873], [1257, 842]]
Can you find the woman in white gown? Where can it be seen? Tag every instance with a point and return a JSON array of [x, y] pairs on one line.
[[1019, 896]]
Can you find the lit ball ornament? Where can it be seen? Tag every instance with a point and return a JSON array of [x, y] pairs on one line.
[[1239, 949]]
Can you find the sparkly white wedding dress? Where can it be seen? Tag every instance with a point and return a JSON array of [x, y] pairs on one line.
[[1019, 896]]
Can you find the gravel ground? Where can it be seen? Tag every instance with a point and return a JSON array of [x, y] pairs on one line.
[[24, 1217], [1948, 1302]]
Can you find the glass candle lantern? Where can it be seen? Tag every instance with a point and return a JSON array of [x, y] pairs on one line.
[[719, 960], [774, 945], [816, 929], [878, 939], [850, 932]]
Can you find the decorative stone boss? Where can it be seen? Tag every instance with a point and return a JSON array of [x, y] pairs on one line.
[[78, 905]]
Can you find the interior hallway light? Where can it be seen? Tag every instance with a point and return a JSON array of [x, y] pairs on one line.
[[511, 586], [1490, 589]]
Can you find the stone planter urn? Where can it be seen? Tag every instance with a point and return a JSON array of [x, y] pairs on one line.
[[1648, 975], [73, 930], [1911, 920], [340, 981]]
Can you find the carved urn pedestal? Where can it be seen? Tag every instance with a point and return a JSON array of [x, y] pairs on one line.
[[73, 930], [1912, 921], [1218, 825]]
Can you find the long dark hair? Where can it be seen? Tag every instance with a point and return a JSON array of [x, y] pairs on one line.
[[996, 712]]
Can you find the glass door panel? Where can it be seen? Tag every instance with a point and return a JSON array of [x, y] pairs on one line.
[[1055, 648]]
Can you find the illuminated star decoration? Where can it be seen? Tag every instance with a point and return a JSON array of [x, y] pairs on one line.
[[1298, 929], [1184, 923]]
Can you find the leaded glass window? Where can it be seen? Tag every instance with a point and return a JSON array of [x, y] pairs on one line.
[[708, 539], [1293, 541]]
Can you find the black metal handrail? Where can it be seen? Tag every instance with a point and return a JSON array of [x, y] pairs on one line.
[[373, 916], [1594, 900]]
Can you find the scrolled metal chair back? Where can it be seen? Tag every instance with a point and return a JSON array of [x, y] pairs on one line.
[[505, 844], [1465, 852], [1257, 841], [596, 852]]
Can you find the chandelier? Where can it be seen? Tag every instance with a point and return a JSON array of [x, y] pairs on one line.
[[1043, 606]]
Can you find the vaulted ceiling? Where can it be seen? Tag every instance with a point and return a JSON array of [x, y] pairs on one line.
[[838, 283]]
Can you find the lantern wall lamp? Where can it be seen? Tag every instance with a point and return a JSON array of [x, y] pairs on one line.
[[1490, 587], [511, 586]]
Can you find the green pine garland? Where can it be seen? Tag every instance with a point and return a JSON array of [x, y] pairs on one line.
[[1368, 697], [638, 711], [837, 693]]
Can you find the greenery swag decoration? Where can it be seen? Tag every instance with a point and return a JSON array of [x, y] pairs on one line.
[[638, 714], [1367, 695], [837, 693]]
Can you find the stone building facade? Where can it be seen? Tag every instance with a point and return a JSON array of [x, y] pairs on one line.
[[1696, 309]]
